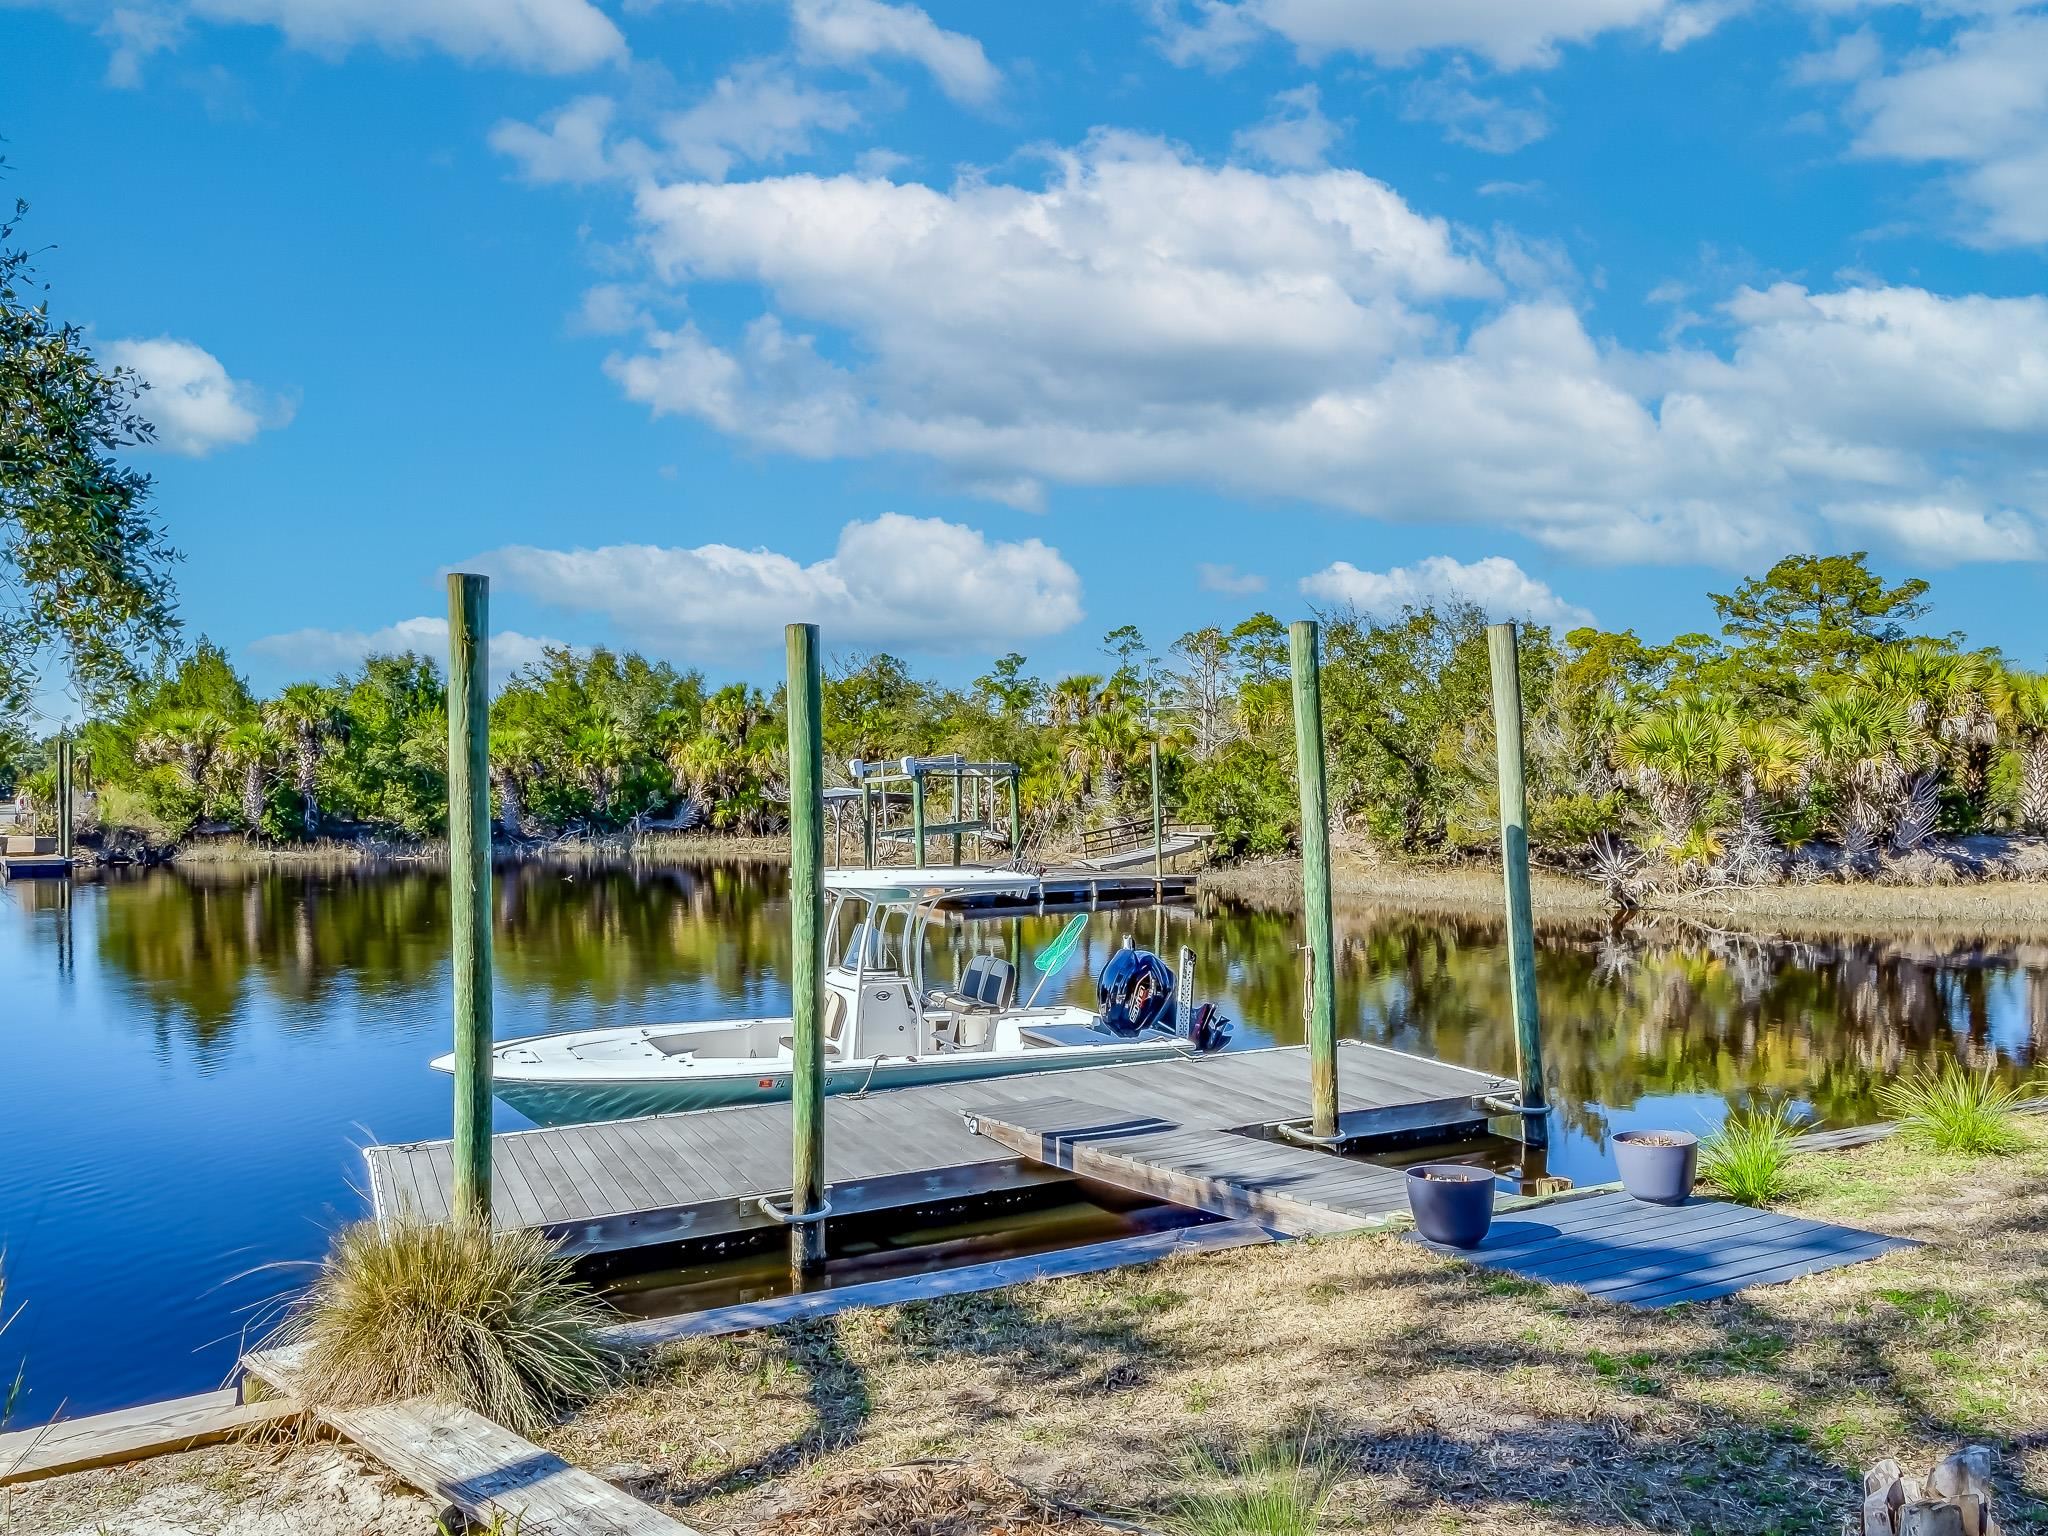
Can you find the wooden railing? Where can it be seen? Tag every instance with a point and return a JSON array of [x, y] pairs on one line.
[[1123, 836]]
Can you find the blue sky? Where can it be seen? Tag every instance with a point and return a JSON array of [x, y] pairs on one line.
[[968, 328]]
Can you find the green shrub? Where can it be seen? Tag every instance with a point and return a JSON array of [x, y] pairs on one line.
[[1953, 1109], [492, 1321], [1275, 1490], [1750, 1158]]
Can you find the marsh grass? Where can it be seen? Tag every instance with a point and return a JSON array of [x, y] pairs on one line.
[[492, 1321], [1952, 1109], [1749, 1159], [1276, 1489], [10, 1395]]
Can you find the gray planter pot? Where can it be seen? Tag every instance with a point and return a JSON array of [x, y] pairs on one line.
[[1658, 1166], [1452, 1202]]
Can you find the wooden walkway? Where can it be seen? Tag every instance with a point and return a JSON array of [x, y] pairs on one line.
[[1619, 1249], [666, 1178], [1292, 1189]]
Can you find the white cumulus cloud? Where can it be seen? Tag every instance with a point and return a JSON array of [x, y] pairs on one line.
[[322, 651], [1228, 578], [1295, 136], [192, 401], [1511, 34], [1145, 318], [851, 32], [896, 580], [545, 36], [1496, 584], [1978, 104]]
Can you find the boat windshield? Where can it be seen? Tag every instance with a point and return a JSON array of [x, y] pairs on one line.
[[880, 952]]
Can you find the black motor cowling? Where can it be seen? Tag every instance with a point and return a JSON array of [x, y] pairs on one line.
[[1136, 992]]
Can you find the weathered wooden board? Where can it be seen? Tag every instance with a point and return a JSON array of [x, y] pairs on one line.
[[1292, 1189], [155, 1429], [489, 1473], [966, 1280], [631, 1183], [1621, 1250]]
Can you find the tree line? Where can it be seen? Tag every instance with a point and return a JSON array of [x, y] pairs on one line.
[[1817, 724]]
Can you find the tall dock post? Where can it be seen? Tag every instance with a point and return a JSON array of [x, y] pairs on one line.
[[1320, 1010], [806, 970], [1158, 826], [959, 814], [1504, 659], [64, 794], [917, 812], [1016, 821], [469, 885]]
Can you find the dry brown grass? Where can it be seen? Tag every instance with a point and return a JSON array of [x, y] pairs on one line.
[[1980, 908], [1444, 1398]]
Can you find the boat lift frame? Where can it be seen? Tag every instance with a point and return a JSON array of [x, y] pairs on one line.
[[972, 807]]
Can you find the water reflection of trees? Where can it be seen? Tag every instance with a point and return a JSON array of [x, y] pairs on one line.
[[1663, 1007], [1654, 1008], [194, 943]]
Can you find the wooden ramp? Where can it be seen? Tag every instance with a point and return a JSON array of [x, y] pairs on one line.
[[491, 1474], [1292, 1189], [155, 1429], [664, 1178], [1619, 1249]]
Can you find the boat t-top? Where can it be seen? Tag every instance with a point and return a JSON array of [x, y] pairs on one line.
[[883, 1026]]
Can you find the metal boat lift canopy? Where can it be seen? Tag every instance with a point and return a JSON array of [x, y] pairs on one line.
[[972, 787]]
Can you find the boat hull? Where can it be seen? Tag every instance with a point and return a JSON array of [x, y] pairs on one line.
[[576, 1103]]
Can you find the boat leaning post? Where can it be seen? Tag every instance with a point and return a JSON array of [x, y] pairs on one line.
[[1503, 656], [807, 1203], [1320, 1005], [469, 886]]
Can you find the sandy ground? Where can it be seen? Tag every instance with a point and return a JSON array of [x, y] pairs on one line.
[[246, 1490]]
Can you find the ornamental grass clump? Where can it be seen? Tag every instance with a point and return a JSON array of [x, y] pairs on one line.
[[1275, 1490], [1750, 1158], [1953, 1109], [492, 1321]]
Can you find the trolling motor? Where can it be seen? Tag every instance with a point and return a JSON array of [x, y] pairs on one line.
[[1136, 993]]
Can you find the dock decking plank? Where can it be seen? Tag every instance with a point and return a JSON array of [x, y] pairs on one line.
[[701, 1172], [1616, 1249]]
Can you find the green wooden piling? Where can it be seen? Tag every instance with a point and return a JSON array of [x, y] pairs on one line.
[[917, 812], [1320, 1006], [806, 967], [959, 813], [1016, 820], [64, 794], [1158, 826], [469, 884], [1502, 655], [867, 823]]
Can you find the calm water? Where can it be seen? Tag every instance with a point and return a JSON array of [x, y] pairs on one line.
[[192, 1061]]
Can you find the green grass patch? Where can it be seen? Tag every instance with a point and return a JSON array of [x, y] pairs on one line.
[[1749, 1159], [1952, 1109], [1277, 1489]]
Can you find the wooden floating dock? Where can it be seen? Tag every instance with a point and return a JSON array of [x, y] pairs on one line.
[[1292, 1189], [1619, 1249], [622, 1184]]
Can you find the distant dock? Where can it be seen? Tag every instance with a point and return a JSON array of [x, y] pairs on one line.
[[616, 1185]]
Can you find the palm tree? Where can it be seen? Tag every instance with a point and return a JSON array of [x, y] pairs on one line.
[[1864, 744], [2027, 693], [252, 746], [310, 718], [512, 763], [1681, 756], [188, 737]]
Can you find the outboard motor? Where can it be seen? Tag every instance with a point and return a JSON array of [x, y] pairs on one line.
[[1136, 992]]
